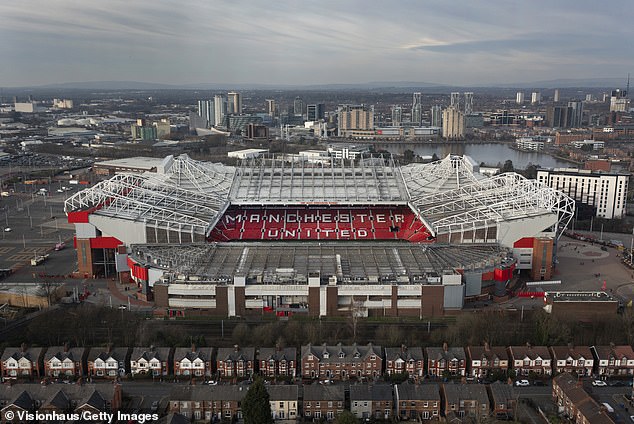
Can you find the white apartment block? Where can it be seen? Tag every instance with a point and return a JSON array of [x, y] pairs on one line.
[[607, 191]]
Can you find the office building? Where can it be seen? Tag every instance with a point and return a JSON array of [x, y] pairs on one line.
[[142, 131], [468, 103], [220, 110], [453, 127], [298, 106], [315, 112], [397, 116], [436, 116], [270, 107], [536, 97], [576, 113], [519, 98], [417, 108], [352, 118], [556, 96], [606, 192], [234, 103], [558, 116], [455, 100], [619, 101], [206, 111]]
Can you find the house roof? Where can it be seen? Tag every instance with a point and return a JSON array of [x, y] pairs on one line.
[[57, 400], [173, 418], [103, 353], [204, 353], [61, 352], [149, 353], [605, 352], [587, 406], [54, 394], [94, 399], [208, 393], [233, 354], [490, 353], [404, 353], [321, 392], [342, 354], [372, 392], [529, 351], [573, 352], [454, 393], [23, 400], [438, 353], [17, 353], [501, 392], [283, 392], [287, 353], [408, 391]]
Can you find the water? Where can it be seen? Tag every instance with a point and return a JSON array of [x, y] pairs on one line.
[[490, 153]]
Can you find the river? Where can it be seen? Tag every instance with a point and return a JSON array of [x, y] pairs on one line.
[[489, 153]]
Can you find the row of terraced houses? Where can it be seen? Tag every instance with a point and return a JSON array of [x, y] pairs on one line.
[[322, 362]]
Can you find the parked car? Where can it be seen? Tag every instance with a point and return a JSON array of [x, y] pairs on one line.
[[522, 383], [599, 383]]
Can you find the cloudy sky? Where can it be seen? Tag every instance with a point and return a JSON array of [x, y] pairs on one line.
[[458, 42]]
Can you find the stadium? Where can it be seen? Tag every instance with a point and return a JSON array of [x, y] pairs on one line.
[[366, 237]]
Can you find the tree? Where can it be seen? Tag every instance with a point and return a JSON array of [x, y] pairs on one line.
[[409, 156], [508, 166], [434, 157], [346, 417], [256, 408]]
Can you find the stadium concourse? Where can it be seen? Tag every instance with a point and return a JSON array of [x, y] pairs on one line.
[[367, 236]]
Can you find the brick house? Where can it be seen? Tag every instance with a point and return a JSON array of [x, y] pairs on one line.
[[465, 400], [278, 362], [342, 362], [613, 360], [208, 403], [107, 362], [573, 359], [63, 361], [284, 401], [194, 361], [371, 400], [446, 359], [574, 403], [153, 361], [526, 359], [399, 360], [235, 362], [415, 401], [503, 399], [485, 360], [323, 401], [22, 362]]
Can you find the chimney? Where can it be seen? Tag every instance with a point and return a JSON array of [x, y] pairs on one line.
[[236, 348], [445, 347], [193, 347]]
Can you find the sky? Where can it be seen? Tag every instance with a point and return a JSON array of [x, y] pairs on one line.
[[454, 42]]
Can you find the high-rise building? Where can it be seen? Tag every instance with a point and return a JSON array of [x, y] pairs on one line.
[[453, 127], [576, 113], [519, 98], [558, 116], [619, 101], [536, 97], [220, 110], [270, 107], [468, 103], [298, 106], [556, 96], [397, 115], [206, 111], [354, 117], [417, 108], [455, 100], [315, 112], [436, 116], [234, 103]]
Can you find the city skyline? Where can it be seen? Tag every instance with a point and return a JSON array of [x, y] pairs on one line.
[[284, 43]]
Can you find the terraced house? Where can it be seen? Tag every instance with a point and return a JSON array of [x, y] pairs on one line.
[[194, 361], [577, 359], [530, 359], [107, 362], [64, 361], [278, 361], [21, 362], [235, 362], [410, 360], [151, 361], [446, 360], [342, 362], [614, 360], [486, 360]]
